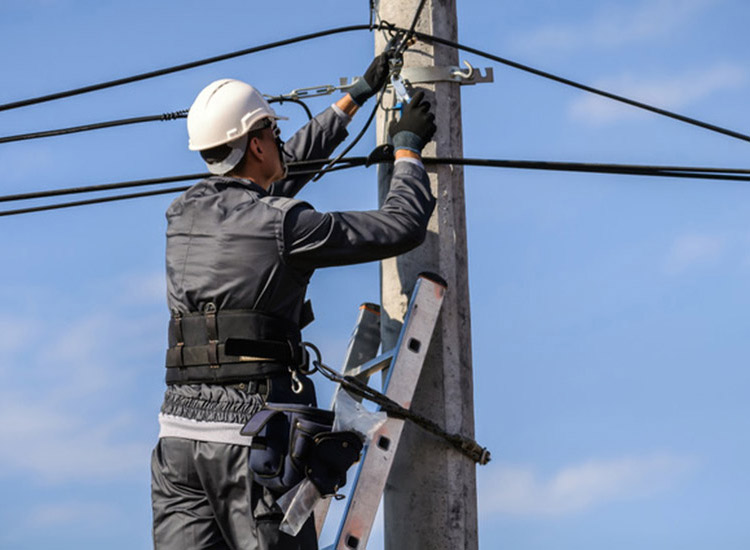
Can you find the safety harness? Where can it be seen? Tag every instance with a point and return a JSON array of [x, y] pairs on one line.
[[233, 345]]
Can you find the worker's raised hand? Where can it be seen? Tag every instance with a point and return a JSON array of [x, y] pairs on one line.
[[416, 126], [374, 79]]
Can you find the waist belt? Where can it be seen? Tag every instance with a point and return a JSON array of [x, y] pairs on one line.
[[228, 345]]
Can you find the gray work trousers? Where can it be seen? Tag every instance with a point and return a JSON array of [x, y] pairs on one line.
[[204, 498]]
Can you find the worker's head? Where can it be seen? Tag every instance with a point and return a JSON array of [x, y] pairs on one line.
[[231, 123]]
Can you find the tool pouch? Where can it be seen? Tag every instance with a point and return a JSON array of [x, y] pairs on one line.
[[332, 455], [292, 441]]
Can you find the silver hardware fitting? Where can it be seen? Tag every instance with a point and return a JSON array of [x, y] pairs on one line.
[[399, 86], [466, 76], [297, 385], [316, 91], [413, 75]]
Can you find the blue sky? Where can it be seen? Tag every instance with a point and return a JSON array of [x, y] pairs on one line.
[[609, 313]]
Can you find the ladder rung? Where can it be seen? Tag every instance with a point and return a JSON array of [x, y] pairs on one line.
[[366, 370]]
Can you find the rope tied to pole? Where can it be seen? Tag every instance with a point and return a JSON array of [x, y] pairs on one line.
[[465, 445]]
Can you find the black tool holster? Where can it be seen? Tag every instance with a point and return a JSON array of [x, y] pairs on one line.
[[291, 442]]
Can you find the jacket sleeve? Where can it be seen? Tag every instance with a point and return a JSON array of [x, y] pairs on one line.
[[315, 140], [313, 239]]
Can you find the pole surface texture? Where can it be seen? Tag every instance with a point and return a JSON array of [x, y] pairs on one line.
[[430, 499]]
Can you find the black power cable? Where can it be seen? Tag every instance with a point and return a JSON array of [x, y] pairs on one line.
[[281, 100], [387, 27], [301, 165], [126, 121], [95, 126], [354, 142], [102, 187], [177, 68], [690, 172], [410, 33], [729, 174], [113, 198], [91, 201], [397, 53], [574, 84]]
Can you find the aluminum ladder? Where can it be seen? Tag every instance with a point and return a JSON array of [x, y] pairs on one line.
[[401, 368]]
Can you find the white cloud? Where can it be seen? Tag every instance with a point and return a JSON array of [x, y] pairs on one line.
[[667, 93], [15, 333], [615, 25], [51, 443], [515, 490], [68, 418], [693, 250]]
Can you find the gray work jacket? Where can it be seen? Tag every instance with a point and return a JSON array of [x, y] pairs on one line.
[[231, 243]]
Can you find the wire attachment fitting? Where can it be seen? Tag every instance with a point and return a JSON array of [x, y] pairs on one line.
[[175, 115]]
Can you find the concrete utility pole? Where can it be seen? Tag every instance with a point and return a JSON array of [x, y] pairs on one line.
[[430, 498]]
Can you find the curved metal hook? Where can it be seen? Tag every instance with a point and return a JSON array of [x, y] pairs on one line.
[[465, 75]]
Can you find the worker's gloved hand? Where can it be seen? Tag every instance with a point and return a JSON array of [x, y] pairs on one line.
[[373, 80], [416, 126]]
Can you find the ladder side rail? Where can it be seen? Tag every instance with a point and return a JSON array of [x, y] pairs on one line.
[[364, 343], [402, 378]]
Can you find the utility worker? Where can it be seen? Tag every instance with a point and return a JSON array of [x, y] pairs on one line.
[[240, 253]]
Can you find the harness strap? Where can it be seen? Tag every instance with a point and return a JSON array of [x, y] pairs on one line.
[[211, 339], [235, 350], [213, 335], [180, 344]]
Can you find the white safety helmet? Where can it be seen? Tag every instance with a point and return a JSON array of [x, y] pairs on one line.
[[223, 114]]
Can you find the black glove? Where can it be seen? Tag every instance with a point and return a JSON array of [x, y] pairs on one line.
[[374, 79], [416, 126]]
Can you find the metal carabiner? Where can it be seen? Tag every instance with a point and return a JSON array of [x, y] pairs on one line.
[[318, 356]]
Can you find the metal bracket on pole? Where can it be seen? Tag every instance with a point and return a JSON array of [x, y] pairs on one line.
[[465, 76]]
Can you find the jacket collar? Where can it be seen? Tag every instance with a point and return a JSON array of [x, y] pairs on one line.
[[248, 184]]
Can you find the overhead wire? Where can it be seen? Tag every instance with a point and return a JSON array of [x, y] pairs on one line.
[[388, 27], [98, 188], [112, 198], [327, 168], [309, 167], [339, 162], [282, 100], [178, 68], [410, 33], [578, 85], [398, 52], [95, 126], [132, 120]]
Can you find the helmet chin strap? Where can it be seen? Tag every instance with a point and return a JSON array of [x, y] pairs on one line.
[[280, 145]]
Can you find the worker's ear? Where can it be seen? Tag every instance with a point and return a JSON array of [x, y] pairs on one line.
[[255, 147]]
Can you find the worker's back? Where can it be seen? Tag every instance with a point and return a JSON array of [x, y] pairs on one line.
[[225, 246]]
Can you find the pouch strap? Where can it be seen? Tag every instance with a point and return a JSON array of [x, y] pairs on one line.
[[258, 421]]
